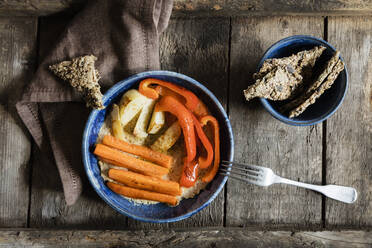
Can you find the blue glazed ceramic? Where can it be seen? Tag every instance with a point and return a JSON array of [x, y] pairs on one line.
[[328, 103], [157, 213]]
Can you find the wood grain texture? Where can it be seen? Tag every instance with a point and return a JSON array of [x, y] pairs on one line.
[[39, 7], [17, 60], [292, 152], [349, 131], [207, 7], [48, 207], [198, 48], [203, 238]]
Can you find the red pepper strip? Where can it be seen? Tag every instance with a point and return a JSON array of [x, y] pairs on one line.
[[189, 173], [198, 143], [163, 91], [200, 110], [192, 101], [204, 162], [144, 88], [213, 171], [185, 119]]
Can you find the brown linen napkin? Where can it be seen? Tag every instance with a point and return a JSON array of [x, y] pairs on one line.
[[123, 35]]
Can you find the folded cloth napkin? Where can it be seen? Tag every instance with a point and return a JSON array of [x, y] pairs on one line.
[[123, 35]]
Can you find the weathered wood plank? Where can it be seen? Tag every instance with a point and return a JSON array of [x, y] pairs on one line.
[[210, 7], [199, 49], [39, 7], [183, 238], [48, 207], [292, 152], [349, 131], [17, 60]]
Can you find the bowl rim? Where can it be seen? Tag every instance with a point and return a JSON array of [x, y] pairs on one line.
[[94, 113], [266, 104]]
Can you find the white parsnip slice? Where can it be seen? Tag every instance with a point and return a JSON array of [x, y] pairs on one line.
[[157, 122], [168, 138], [130, 95], [140, 130], [115, 116], [118, 130], [130, 105]]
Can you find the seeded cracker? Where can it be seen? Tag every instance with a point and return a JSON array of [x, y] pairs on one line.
[[277, 84], [302, 62], [283, 78], [82, 75], [326, 71], [339, 67]]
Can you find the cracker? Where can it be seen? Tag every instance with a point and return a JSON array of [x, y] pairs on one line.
[[278, 84], [82, 75], [326, 71], [337, 69], [297, 61], [283, 78]]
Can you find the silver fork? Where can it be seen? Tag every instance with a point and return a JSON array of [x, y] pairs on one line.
[[263, 176]]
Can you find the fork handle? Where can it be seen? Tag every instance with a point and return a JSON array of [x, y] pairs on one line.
[[340, 193]]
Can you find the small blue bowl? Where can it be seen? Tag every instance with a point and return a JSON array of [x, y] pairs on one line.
[[325, 105], [157, 213]]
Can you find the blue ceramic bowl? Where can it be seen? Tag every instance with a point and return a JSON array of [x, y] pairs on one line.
[[325, 105], [157, 213]]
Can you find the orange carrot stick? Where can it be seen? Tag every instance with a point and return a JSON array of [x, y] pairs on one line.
[[142, 151], [142, 194], [216, 163], [121, 159], [139, 181]]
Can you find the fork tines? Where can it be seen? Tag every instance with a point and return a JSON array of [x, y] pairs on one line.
[[243, 172]]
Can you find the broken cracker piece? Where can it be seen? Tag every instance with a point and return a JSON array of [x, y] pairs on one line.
[[298, 61], [282, 78], [337, 69], [277, 84], [82, 75], [326, 71]]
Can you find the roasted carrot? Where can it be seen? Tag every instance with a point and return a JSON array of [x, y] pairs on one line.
[[142, 194], [142, 151], [204, 162], [121, 159], [216, 163], [185, 120], [139, 181]]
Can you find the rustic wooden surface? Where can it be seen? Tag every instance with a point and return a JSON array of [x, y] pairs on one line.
[[203, 238], [349, 132], [292, 152], [221, 52], [207, 7], [17, 62]]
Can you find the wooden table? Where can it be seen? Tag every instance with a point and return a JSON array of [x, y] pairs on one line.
[[218, 43]]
